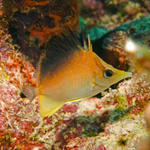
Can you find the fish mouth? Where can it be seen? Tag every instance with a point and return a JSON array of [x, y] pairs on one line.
[[125, 76], [128, 75]]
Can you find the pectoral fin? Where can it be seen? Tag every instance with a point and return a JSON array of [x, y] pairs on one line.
[[48, 106]]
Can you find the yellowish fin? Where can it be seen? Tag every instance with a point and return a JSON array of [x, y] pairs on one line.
[[90, 44], [48, 106]]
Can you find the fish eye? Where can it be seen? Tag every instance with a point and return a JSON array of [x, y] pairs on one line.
[[108, 73]]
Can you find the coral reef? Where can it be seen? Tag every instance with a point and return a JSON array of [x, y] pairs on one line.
[[117, 118], [112, 13], [114, 122], [32, 23]]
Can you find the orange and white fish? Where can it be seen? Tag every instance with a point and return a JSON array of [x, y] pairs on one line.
[[70, 71]]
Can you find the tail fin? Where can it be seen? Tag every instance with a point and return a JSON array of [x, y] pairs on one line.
[[30, 92]]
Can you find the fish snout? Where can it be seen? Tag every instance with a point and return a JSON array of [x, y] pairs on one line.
[[127, 75]]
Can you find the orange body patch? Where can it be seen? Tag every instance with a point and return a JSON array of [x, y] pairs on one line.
[[80, 67]]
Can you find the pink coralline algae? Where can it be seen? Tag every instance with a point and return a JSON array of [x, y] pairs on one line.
[[77, 126], [115, 121], [93, 4], [15, 122], [82, 125], [101, 147], [70, 108], [95, 7]]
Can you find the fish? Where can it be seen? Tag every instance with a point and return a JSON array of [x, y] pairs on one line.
[[69, 70]]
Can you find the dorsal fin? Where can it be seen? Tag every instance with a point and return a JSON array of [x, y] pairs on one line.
[[89, 44], [58, 50]]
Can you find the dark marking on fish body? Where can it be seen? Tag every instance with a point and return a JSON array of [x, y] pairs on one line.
[[58, 50]]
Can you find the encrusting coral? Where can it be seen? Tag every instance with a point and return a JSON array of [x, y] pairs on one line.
[[117, 118], [115, 121]]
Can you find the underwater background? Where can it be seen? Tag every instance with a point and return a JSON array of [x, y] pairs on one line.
[[113, 120]]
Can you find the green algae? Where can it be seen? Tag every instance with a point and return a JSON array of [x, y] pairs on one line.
[[119, 113], [134, 28], [139, 26], [91, 125], [94, 32]]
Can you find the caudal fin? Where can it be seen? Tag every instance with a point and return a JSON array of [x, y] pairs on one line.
[[30, 92]]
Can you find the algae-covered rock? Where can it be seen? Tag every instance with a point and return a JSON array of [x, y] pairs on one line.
[[113, 122]]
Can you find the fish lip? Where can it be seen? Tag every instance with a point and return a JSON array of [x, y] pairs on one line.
[[128, 75]]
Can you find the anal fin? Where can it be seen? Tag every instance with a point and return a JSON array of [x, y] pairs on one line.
[[48, 106], [74, 100]]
